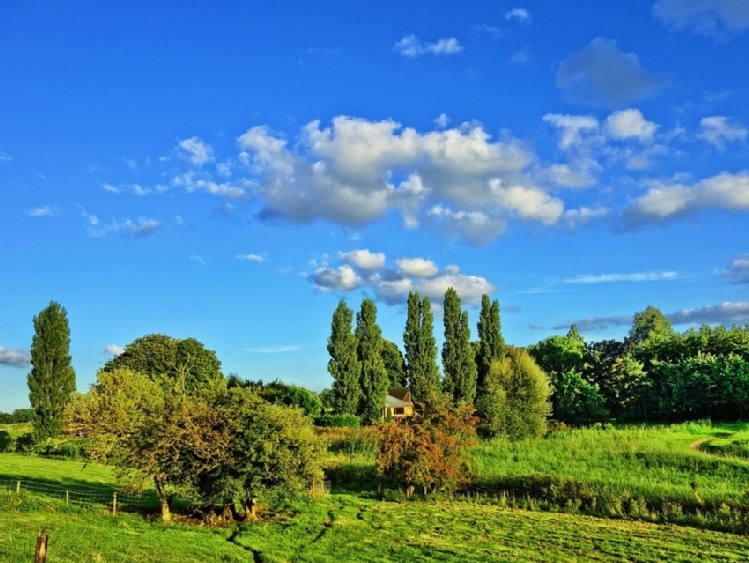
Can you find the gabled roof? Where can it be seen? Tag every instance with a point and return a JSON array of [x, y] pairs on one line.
[[400, 393], [392, 402]]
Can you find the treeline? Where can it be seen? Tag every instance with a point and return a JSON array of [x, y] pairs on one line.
[[502, 383], [653, 375], [18, 416]]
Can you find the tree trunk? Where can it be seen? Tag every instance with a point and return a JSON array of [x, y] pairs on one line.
[[229, 513], [166, 515], [250, 509]]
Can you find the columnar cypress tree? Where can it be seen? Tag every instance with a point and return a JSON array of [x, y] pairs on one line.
[[421, 350], [373, 376], [491, 345], [458, 357], [52, 378], [344, 364]]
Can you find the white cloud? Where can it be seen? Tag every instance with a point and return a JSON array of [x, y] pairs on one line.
[[618, 278], [197, 258], [630, 123], [5, 157], [476, 227], [114, 350], [14, 357], [195, 151], [192, 183], [251, 257], [518, 14], [363, 259], [666, 200], [393, 286], [573, 128], [738, 271], [411, 46], [417, 267], [719, 19], [442, 120], [602, 74], [584, 216], [343, 278], [44, 211], [345, 172], [719, 130]]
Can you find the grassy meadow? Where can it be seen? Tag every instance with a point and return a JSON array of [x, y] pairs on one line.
[[669, 493]]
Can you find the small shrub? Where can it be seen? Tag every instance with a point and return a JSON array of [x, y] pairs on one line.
[[338, 420]]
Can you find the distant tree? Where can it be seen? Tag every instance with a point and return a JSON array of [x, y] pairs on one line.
[[393, 360], [185, 360], [515, 403], [491, 345], [577, 401], [458, 358], [52, 378], [373, 375], [343, 365], [648, 326], [421, 352]]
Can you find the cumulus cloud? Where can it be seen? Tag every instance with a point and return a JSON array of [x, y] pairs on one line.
[[719, 130], [718, 19], [738, 271], [603, 74], [520, 15], [630, 124], [355, 171], [114, 350], [573, 128], [411, 46], [195, 151], [393, 285], [140, 228], [44, 211], [14, 357], [668, 200], [364, 259]]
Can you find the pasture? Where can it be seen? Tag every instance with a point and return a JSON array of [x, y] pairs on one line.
[[530, 501]]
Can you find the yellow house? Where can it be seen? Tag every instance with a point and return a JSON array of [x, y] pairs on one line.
[[398, 404]]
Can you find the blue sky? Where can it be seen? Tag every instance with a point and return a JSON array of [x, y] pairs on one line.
[[229, 170]]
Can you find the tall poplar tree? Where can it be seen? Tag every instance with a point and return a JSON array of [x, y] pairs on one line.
[[343, 365], [52, 378], [373, 376], [458, 357], [491, 345], [421, 351]]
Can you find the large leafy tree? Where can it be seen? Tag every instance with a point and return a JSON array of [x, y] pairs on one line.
[[458, 356], [52, 377], [185, 360], [421, 351], [373, 375], [515, 403], [343, 365], [649, 326], [491, 345]]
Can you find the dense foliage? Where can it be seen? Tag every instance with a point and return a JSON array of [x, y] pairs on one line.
[[52, 378]]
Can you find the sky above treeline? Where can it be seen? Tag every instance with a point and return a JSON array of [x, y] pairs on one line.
[[228, 171]]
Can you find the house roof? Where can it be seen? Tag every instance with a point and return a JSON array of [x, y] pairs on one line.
[[400, 393], [393, 402]]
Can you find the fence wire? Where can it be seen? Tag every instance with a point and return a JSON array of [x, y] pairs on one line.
[[82, 496]]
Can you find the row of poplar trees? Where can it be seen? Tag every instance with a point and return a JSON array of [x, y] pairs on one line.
[[363, 368]]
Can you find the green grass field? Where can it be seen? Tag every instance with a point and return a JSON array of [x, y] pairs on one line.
[[352, 523]]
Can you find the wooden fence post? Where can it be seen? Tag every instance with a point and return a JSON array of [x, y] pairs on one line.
[[67, 497], [114, 504], [41, 547], [18, 487]]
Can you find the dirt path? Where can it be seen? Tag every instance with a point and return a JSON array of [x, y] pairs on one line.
[[699, 443]]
